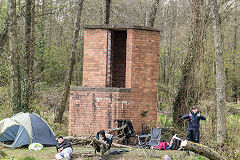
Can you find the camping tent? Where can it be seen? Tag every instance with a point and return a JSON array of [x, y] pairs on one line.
[[25, 128]]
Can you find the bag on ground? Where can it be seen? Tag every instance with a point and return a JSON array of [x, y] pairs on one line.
[[176, 142], [161, 146], [35, 147]]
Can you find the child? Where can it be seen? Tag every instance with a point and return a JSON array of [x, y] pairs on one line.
[[193, 124]]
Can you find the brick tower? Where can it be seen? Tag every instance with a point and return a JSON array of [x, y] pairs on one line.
[[120, 79]]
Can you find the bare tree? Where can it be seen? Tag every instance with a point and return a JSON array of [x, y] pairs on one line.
[[16, 75], [29, 55], [152, 13], [4, 35], [220, 74], [107, 12], [68, 81], [235, 84], [42, 42], [188, 92]]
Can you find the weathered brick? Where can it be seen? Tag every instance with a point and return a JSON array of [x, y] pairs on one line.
[[95, 106]]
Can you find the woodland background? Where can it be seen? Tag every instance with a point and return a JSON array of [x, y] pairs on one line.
[[41, 46]]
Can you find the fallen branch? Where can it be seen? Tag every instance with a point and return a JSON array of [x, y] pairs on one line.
[[121, 146], [85, 141], [234, 110], [119, 137], [79, 140], [116, 129], [202, 150]]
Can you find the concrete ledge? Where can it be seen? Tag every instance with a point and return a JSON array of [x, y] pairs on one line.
[[100, 89], [120, 27]]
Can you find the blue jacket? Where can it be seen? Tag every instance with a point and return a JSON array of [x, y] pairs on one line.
[[193, 121]]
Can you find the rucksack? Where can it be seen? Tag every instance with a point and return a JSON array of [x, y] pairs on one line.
[[176, 142]]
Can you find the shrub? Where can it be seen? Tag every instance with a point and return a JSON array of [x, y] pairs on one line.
[[164, 121]]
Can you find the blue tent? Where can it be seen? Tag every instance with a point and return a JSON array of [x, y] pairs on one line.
[[24, 129]]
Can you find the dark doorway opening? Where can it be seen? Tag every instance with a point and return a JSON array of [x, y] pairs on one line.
[[116, 68]]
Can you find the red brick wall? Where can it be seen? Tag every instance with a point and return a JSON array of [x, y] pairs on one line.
[[143, 57], [94, 59], [92, 108]]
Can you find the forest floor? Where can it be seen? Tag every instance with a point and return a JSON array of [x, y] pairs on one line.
[[81, 153]]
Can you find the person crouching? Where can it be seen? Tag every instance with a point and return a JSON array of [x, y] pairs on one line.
[[104, 146]]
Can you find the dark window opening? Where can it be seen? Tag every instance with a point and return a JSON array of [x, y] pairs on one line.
[[116, 68]]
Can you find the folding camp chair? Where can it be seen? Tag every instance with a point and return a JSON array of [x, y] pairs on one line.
[[154, 141], [143, 144]]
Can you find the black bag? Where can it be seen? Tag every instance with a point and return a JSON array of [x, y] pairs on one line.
[[176, 142]]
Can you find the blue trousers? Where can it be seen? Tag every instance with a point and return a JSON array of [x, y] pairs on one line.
[[193, 135]]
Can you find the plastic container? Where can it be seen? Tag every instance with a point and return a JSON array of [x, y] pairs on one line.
[[166, 157]]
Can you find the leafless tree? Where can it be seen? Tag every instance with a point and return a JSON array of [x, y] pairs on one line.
[[107, 12], [68, 81], [235, 86], [152, 13], [29, 55], [188, 92], [220, 74], [16, 75], [4, 35]]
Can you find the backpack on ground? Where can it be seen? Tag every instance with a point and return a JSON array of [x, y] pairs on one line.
[[176, 142], [162, 145]]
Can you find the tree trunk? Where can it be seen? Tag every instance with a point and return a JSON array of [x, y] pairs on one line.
[[42, 44], [107, 12], [27, 92], [202, 150], [188, 91], [16, 75], [4, 35], [1, 6], [62, 107], [152, 14], [31, 69], [220, 74], [235, 85]]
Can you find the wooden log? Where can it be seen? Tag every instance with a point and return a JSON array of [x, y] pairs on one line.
[[234, 110], [89, 140], [121, 146], [79, 140], [202, 150]]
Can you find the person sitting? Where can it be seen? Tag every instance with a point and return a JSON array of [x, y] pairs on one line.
[[64, 149], [105, 142]]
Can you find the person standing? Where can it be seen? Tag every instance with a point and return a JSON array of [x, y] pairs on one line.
[[64, 149], [194, 118]]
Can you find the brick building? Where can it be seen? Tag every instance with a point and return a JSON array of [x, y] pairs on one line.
[[120, 79]]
